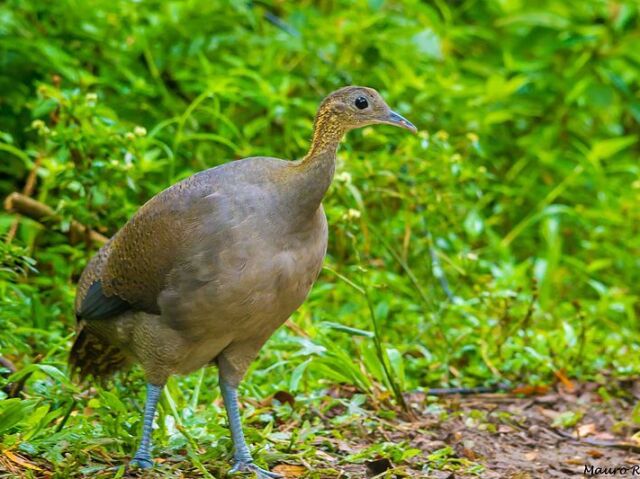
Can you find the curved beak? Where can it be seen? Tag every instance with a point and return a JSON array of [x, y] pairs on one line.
[[398, 120]]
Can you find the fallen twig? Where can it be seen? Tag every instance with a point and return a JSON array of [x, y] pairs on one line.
[[26, 206], [468, 391], [29, 186], [625, 445]]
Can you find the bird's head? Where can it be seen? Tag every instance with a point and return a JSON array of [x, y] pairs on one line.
[[356, 106]]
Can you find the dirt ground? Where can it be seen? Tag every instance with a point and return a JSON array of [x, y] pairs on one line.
[[555, 435], [512, 436]]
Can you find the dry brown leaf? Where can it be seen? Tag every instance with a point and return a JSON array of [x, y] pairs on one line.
[[568, 384], [285, 397], [470, 454], [290, 470], [531, 456], [21, 461], [530, 390], [548, 413], [595, 453], [585, 430], [575, 461]]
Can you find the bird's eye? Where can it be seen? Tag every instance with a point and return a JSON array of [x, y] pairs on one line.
[[361, 103]]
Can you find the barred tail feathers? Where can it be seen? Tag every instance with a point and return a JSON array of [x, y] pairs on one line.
[[91, 356]]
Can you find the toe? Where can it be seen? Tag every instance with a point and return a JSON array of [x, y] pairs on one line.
[[262, 474]]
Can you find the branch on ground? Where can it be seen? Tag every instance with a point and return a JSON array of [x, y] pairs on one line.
[[26, 206]]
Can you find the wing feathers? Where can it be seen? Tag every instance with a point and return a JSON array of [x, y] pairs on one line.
[[97, 305]]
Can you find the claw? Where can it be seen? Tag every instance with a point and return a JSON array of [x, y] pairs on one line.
[[241, 466], [141, 462]]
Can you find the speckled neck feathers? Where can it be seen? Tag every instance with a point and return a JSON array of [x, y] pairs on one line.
[[314, 173], [328, 130]]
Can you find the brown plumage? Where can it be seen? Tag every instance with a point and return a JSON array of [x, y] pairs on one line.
[[91, 356], [206, 270]]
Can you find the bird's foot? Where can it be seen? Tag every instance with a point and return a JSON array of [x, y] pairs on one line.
[[141, 461], [248, 467]]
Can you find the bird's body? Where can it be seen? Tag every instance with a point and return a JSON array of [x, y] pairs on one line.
[[207, 269], [219, 285]]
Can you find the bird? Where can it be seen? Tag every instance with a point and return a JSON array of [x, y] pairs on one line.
[[205, 271]]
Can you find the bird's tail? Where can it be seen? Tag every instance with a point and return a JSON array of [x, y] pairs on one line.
[[91, 356]]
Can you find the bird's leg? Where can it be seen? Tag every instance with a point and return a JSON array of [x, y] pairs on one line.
[[243, 462], [142, 457]]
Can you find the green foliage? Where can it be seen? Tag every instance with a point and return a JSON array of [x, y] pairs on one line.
[[521, 190]]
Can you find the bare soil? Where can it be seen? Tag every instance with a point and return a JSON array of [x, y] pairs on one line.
[[555, 435]]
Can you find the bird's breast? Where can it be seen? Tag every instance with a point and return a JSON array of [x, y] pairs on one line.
[[249, 281]]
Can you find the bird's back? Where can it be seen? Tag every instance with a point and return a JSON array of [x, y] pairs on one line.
[[134, 266]]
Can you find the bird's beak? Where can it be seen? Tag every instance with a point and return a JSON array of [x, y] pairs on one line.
[[398, 120]]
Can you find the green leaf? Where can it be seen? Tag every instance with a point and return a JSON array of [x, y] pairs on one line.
[[347, 329], [473, 223], [604, 149], [296, 375], [568, 419], [13, 411]]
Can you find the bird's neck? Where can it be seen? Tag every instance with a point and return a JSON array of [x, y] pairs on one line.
[[314, 172]]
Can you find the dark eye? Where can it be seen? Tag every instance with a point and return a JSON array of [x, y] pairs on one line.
[[361, 103]]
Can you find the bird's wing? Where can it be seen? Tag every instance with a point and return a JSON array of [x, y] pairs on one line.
[[132, 269]]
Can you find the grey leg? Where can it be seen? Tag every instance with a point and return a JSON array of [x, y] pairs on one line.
[[142, 457], [243, 462]]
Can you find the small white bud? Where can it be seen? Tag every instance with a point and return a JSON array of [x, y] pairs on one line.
[[353, 214], [344, 177], [140, 131]]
